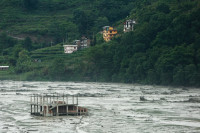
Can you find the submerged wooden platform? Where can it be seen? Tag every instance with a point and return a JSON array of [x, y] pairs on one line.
[[56, 105]]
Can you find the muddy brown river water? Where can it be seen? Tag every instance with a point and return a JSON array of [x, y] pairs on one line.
[[113, 108]]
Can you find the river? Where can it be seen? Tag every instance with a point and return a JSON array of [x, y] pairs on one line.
[[113, 108]]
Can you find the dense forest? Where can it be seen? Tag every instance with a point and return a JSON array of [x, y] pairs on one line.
[[163, 49]]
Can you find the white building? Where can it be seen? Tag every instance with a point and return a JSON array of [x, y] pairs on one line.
[[68, 49], [4, 67], [129, 25]]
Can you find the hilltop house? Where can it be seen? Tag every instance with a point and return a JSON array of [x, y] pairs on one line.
[[129, 25], [77, 45], [85, 43], [108, 33], [76, 42], [68, 49]]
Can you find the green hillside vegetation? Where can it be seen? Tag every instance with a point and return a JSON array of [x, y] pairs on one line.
[[48, 52], [57, 19], [163, 49]]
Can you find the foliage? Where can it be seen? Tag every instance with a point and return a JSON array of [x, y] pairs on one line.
[[24, 63], [6, 42], [57, 69], [30, 4], [164, 47], [28, 43]]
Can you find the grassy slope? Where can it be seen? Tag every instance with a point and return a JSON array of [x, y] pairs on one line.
[[17, 21]]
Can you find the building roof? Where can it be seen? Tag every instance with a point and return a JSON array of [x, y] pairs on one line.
[[4, 66], [70, 45], [132, 21], [105, 27]]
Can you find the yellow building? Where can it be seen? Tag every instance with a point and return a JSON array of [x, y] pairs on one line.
[[108, 33]]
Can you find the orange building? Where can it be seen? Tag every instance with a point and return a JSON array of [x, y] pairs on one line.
[[108, 33]]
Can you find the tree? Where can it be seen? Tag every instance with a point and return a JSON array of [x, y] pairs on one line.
[[163, 8], [57, 69], [24, 63], [30, 4], [28, 43], [67, 31], [80, 18], [6, 42], [99, 23]]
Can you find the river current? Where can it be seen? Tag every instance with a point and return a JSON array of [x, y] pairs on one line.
[[113, 108]]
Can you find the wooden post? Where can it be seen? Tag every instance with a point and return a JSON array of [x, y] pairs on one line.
[[31, 104], [43, 109], [67, 104], [73, 99], [40, 100], [47, 99], [37, 103], [34, 104], [67, 109], [43, 105], [67, 100], [77, 109], [31, 99], [31, 109], [50, 99], [77, 103], [57, 106], [40, 103], [77, 99], [43, 100], [53, 97], [34, 99], [57, 110], [47, 110], [63, 98]]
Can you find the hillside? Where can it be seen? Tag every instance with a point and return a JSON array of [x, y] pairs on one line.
[[59, 19], [164, 47]]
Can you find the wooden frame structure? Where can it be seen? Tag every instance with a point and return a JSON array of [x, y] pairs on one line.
[[55, 105]]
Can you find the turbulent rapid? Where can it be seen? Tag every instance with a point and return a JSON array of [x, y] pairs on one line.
[[117, 108]]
